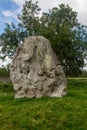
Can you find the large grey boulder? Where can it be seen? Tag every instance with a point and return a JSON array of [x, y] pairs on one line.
[[36, 71]]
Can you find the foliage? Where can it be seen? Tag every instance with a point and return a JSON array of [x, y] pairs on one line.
[[68, 37], [30, 17], [59, 25], [67, 113], [4, 72], [10, 39], [84, 73]]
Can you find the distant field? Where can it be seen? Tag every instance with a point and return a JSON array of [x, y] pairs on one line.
[[67, 113]]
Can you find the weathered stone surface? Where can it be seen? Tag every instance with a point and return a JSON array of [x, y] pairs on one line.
[[36, 71]]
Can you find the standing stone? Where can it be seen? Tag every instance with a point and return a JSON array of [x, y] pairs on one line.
[[36, 71]]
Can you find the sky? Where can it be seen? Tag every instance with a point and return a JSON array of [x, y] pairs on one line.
[[10, 8]]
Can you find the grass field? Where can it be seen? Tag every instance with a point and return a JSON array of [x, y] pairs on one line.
[[67, 113]]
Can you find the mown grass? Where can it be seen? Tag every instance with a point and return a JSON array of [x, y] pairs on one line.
[[67, 113]]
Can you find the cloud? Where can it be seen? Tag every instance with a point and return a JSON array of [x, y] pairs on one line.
[[77, 5], [7, 13], [9, 16], [19, 2], [20, 5]]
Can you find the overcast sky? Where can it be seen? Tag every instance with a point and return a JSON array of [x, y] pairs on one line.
[[10, 8]]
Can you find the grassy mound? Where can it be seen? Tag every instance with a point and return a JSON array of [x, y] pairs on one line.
[[67, 113]]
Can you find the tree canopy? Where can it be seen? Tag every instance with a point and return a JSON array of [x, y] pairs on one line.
[[60, 25], [68, 37]]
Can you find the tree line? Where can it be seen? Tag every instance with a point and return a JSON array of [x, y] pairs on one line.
[[60, 25]]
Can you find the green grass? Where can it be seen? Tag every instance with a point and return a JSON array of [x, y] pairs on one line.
[[67, 113]]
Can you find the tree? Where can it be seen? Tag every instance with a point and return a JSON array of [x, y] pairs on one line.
[[30, 18], [68, 37], [59, 25], [13, 36]]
